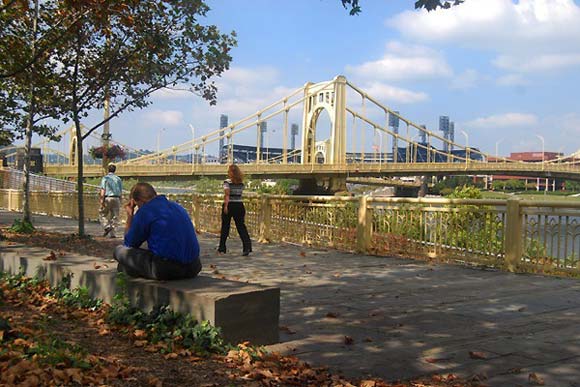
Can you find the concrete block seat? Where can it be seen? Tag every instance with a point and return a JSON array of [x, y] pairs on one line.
[[243, 311]]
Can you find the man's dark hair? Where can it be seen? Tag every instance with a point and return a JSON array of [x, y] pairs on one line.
[[143, 191], [112, 168]]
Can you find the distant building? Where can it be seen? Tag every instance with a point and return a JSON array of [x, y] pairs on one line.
[[539, 184], [223, 124]]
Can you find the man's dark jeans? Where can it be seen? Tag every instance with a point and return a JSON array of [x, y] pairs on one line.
[[143, 263]]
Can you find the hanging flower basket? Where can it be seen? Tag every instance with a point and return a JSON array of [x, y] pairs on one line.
[[112, 152]]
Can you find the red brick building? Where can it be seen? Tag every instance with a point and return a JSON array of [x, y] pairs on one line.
[[539, 184]]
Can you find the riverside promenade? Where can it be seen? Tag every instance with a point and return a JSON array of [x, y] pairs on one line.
[[400, 318]]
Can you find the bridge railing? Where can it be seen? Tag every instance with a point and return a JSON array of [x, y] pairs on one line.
[[513, 234]]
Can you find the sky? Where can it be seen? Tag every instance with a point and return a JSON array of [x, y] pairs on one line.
[[504, 71]]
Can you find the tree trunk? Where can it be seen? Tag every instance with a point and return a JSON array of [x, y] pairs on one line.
[[27, 217], [80, 187]]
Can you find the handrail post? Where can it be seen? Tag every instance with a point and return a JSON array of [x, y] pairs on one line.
[[195, 211], [513, 234], [364, 226], [265, 218]]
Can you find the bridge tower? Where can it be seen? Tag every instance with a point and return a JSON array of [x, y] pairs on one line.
[[72, 153], [331, 98]]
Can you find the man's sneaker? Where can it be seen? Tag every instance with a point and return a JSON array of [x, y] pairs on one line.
[[107, 231]]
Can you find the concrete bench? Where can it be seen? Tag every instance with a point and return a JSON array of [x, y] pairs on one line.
[[242, 311]]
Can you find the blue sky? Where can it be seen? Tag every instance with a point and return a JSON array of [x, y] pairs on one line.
[[504, 71]]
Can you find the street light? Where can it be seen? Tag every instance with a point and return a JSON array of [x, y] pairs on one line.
[[497, 149], [158, 142], [466, 145], [543, 148]]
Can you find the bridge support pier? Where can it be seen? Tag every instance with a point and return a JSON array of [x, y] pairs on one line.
[[329, 186]]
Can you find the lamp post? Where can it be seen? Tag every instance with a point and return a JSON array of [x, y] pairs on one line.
[[543, 158], [543, 148], [497, 149], [158, 144], [466, 145], [192, 143]]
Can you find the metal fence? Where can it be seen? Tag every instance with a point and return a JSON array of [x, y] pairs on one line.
[[513, 234]]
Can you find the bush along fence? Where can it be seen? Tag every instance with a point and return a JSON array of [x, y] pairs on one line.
[[516, 235]]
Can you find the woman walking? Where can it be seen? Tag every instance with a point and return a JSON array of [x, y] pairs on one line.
[[234, 207]]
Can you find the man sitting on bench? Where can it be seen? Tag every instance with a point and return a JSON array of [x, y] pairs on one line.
[[173, 249]]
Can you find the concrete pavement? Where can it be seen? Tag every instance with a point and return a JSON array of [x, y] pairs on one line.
[[397, 318]]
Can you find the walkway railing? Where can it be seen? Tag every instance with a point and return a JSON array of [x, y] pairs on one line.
[[512, 234]]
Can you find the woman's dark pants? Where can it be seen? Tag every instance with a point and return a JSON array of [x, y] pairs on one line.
[[237, 211]]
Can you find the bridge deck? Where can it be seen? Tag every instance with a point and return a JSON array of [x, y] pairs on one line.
[[188, 171]]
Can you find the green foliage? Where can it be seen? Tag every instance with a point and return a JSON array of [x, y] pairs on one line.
[[282, 186], [509, 185], [22, 226], [572, 185], [448, 185], [53, 351], [206, 185], [429, 5], [78, 297], [465, 192]]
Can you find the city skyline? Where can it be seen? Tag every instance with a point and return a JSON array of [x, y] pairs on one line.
[[503, 71]]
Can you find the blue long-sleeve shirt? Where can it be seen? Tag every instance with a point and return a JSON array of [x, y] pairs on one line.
[[167, 228]]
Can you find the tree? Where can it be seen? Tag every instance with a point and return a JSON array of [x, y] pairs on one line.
[[26, 96], [125, 50], [429, 5]]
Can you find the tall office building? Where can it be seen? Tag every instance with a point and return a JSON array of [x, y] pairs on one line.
[[293, 134], [394, 125], [223, 124], [263, 129], [423, 135], [444, 127]]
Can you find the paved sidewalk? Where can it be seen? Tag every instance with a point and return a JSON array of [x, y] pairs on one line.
[[397, 319]]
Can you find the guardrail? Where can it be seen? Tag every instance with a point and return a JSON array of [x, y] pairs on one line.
[[512, 234]]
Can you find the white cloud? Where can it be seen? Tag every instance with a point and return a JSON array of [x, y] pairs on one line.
[[530, 35], [512, 80], [466, 80], [403, 62], [177, 93], [537, 63], [163, 117], [389, 94], [507, 120]]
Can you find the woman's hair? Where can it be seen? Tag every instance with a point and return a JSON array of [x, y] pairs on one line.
[[235, 174], [143, 191]]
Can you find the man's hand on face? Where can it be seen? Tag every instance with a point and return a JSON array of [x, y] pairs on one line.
[[130, 207]]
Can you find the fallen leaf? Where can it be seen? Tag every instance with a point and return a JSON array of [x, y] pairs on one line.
[[140, 343], [477, 355], [154, 382], [533, 378], [368, 340], [331, 315], [96, 266], [302, 254], [171, 355], [104, 331], [348, 340], [139, 333], [368, 383], [50, 257]]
